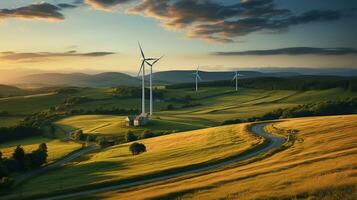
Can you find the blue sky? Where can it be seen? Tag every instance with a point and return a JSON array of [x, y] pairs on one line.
[[39, 42]]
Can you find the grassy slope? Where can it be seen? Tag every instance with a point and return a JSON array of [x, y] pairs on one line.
[[166, 152], [320, 165], [56, 148], [9, 121], [218, 104]]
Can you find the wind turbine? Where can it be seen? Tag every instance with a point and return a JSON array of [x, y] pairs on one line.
[[142, 69], [151, 96], [236, 78], [197, 76]]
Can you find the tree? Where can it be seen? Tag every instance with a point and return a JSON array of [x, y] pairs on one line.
[[77, 135], [130, 136], [43, 147], [3, 168], [37, 157], [137, 148], [147, 134], [19, 153], [19, 157]]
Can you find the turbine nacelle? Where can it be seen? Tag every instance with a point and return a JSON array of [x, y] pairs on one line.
[[237, 75]]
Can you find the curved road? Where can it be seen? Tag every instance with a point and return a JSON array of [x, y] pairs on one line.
[[258, 129]]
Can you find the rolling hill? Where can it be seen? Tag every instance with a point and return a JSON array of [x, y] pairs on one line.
[[186, 76], [164, 153], [107, 79], [317, 164], [7, 90], [111, 79]]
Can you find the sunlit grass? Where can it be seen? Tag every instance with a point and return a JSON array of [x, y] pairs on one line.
[[163, 153], [320, 165], [56, 148]]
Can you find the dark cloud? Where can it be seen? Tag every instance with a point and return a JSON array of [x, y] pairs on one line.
[[292, 51], [34, 11], [66, 5], [43, 10], [105, 4], [38, 56], [211, 20]]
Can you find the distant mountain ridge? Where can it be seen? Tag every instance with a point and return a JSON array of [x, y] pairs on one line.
[[113, 79], [187, 76], [107, 79]]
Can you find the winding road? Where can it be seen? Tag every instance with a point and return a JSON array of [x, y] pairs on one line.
[[258, 129]]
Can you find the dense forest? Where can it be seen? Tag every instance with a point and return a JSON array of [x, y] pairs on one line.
[[135, 92]]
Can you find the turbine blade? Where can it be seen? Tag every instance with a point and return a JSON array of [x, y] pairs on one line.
[[199, 77], [141, 50], [234, 77], [141, 68], [150, 64], [157, 60]]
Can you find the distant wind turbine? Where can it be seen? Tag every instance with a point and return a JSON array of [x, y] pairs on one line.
[[236, 78], [197, 76], [151, 96], [142, 69]]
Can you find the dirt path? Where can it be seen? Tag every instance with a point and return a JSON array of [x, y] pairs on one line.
[[258, 129]]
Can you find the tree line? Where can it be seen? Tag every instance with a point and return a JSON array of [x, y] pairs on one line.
[[17, 132], [135, 92], [21, 161], [300, 83], [339, 107]]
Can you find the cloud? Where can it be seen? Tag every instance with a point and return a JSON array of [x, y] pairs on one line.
[[291, 51], [45, 11], [66, 5], [39, 56], [105, 4], [214, 21]]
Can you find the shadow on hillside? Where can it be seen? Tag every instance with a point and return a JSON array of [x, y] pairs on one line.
[[69, 177]]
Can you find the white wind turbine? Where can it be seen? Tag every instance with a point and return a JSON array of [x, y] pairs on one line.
[[197, 76], [151, 96], [142, 69], [236, 78]]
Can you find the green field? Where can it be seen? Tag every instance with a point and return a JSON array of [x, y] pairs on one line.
[[212, 106], [163, 153], [216, 106], [56, 148]]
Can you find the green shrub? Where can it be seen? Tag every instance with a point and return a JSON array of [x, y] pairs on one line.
[[137, 148], [130, 137], [147, 134]]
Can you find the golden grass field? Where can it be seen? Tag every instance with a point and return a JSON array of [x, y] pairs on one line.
[[321, 164], [163, 153], [56, 148]]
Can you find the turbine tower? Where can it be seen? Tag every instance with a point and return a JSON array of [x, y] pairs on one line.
[[142, 69], [197, 76], [236, 78], [151, 95]]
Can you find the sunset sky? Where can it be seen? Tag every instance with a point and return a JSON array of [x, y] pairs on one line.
[[102, 35]]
